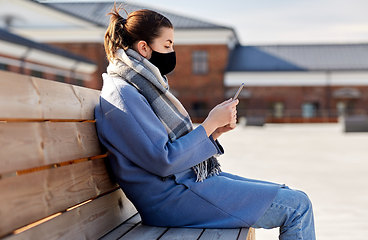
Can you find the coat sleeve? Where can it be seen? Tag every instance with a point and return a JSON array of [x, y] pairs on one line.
[[131, 127]]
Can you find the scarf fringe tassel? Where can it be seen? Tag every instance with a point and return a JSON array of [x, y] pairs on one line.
[[210, 167]]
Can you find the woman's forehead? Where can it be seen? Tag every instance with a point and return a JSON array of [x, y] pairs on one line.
[[167, 35]]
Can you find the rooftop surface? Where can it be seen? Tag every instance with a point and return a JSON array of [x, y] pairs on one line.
[[320, 159], [95, 12], [328, 57]]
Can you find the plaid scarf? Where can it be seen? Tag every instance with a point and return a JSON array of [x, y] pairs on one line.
[[146, 78]]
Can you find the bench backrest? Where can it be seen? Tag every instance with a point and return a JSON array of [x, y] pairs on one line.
[[53, 180]]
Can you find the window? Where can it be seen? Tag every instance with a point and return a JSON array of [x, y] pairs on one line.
[[35, 73], [200, 62], [60, 78], [199, 109], [78, 82], [278, 109], [3, 66], [309, 110], [345, 107], [341, 108]]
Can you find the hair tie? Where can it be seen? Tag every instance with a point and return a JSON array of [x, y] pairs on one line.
[[122, 22]]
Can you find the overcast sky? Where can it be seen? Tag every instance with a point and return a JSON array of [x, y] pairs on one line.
[[277, 21]]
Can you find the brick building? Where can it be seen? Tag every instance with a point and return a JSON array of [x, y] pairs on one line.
[[300, 83], [290, 83], [21, 55]]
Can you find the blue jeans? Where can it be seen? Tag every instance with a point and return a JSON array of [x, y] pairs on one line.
[[292, 212]]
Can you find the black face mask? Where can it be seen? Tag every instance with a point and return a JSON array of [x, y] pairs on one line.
[[165, 62]]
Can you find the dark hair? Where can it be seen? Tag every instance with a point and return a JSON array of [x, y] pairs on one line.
[[140, 25]]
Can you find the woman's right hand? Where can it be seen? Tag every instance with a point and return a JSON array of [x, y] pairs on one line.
[[221, 115]]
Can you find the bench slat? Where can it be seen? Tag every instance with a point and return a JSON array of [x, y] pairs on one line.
[[33, 144], [182, 234], [89, 221], [123, 228], [89, 99], [18, 97], [220, 234], [142, 231], [247, 234], [60, 100], [25, 97], [27, 198]]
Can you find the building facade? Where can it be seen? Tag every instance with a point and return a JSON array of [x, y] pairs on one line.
[[300, 83]]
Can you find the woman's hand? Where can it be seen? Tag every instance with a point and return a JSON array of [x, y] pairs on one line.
[[220, 116], [219, 131]]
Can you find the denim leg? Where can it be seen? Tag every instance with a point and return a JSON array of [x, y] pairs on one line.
[[292, 212]]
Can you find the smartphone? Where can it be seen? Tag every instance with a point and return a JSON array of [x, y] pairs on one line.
[[237, 92]]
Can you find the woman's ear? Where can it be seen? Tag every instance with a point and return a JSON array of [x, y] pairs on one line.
[[143, 48]]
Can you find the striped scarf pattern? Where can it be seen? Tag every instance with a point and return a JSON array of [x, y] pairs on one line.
[[146, 78]]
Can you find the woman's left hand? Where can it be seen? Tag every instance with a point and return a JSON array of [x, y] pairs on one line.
[[219, 131]]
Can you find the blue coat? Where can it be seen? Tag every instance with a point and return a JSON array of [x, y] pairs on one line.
[[156, 175]]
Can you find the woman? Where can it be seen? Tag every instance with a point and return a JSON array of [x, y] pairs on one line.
[[165, 167]]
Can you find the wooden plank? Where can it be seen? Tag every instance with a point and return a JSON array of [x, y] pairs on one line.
[[89, 221], [89, 99], [25, 97], [123, 228], [182, 234], [251, 234], [65, 141], [59, 100], [244, 233], [31, 197], [220, 234], [20, 146], [146, 232], [33, 144], [18, 97]]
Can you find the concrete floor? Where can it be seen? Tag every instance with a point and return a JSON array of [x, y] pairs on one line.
[[329, 165]]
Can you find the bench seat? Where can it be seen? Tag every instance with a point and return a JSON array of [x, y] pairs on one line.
[[134, 229]]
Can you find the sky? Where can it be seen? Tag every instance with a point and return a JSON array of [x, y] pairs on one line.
[[261, 22]]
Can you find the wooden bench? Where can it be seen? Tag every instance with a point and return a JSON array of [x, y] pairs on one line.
[[53, 179], [356, 123]]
